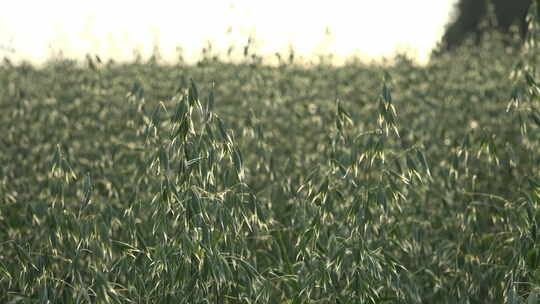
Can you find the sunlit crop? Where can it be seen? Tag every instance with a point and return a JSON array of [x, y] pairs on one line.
[[248, 183]]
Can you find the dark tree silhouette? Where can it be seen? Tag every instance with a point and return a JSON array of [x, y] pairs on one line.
[[470, 14]]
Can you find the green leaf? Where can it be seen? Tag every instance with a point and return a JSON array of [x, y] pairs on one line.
[[387, 95], [532, 258], [423, 162], [181, 111], [193, 93], [164, 158], [535, 117], [87, 189], [221, 128]]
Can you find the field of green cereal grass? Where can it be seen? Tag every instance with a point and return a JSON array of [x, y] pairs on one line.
[[249, 183]]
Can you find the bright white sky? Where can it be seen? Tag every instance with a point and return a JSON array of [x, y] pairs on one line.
[[37, 29]]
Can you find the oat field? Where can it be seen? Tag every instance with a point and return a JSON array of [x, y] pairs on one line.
[[248, 183]]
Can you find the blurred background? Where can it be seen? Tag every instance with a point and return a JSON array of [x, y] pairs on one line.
[[118, 30]]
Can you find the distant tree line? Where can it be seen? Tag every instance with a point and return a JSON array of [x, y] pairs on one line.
[[469, 15]]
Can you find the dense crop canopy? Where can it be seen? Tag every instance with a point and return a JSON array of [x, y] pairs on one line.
[[246, 183]]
